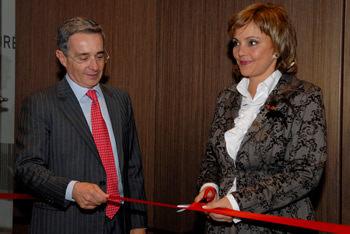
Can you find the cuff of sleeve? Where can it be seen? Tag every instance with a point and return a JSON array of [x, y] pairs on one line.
[[69, 190], [210, 185], [234, 205]]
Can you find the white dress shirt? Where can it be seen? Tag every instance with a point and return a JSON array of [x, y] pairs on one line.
[[85, 104]]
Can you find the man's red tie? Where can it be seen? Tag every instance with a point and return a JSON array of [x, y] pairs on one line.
[[104, 147]]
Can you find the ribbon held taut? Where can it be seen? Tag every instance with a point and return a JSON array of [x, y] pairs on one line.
[[301, 223]]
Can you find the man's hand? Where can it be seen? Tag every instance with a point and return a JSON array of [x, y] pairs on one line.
[[222, 203], [138, 231], [88, 196]]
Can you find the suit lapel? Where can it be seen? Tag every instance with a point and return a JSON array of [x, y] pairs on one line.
[[114, 114], [261, 120], [236, 104], [70, 106]]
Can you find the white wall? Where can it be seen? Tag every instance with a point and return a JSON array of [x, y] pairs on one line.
[[7, 113]]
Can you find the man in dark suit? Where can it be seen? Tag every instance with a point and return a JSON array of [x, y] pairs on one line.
[[58, 154]]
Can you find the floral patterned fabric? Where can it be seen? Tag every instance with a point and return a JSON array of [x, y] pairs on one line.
[[280, 160]]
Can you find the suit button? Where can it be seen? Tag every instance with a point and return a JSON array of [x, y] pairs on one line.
[[102, 183], [256, 123]]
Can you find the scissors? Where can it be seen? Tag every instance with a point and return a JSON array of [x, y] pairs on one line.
[[205, 198]]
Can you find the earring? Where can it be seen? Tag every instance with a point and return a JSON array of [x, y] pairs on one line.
[[275, 56]]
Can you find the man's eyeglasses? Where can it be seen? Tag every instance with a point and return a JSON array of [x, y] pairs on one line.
[[86, 58]]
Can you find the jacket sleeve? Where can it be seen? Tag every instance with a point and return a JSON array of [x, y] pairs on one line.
[[211, 165], [32, 152]]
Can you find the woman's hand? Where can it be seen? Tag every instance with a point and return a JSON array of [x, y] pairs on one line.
[[209, 195], [222, 203]]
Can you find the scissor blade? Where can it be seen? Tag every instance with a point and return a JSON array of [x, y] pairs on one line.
[[181, 210], [182, 206]]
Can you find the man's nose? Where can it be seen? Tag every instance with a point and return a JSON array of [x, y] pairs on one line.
[[93, 65]]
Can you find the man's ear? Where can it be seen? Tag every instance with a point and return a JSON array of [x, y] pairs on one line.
[[61, 57]]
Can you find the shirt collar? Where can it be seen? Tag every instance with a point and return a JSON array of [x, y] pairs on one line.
[[81, 91], [268, 84]]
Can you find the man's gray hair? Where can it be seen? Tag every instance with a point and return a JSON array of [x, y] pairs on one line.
[[76, 25]]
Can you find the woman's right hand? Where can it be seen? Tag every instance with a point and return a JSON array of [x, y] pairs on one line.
[[209, 195]]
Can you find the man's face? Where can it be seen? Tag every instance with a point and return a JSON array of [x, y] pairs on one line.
[[85, 59]]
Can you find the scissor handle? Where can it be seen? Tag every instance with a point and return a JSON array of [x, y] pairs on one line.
[[207, 199]]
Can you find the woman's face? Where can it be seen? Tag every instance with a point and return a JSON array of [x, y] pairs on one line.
[[254, 53]]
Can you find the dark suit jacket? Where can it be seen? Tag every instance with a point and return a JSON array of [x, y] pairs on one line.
[[55, 145], [280, 159]]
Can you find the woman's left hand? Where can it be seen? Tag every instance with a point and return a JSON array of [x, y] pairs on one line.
[[222, 203]]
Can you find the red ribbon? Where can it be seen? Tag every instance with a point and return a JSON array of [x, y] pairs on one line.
[[301, 223], [16, 196]]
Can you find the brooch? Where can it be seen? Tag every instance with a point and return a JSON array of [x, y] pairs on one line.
[[275, 100]]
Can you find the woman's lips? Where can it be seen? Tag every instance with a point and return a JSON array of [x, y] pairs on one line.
[[244, 62]]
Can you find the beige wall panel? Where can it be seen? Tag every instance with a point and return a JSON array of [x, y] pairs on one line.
[[345, 163], [193, 67], [133, 68]]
